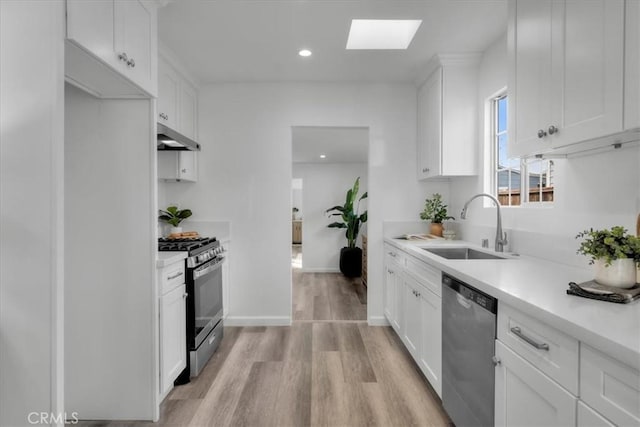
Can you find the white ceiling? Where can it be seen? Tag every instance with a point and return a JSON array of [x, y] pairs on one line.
[[339, 144], [258, 40]]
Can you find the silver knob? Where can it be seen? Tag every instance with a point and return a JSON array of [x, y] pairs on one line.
[[542, 133], [185, 295], [553, 129], [131, 63], [425, 170], [123, 57], [184, 171], [496, 361]]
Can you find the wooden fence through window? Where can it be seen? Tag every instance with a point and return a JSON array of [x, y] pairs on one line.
[[534, 196]]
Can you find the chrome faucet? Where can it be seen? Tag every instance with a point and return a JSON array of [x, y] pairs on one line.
[[501, 238]]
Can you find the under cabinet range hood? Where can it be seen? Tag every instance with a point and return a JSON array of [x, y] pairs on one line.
[[170, 140]]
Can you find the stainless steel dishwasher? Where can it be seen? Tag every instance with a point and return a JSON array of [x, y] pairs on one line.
[[468, 336]]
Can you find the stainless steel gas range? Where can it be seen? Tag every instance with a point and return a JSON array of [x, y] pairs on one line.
[[204, 299]]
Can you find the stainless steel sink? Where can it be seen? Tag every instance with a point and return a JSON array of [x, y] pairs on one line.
[[462, 253]]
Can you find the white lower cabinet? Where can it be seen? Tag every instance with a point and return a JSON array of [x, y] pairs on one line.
[[173, 340], [413, 307], [525, 396]]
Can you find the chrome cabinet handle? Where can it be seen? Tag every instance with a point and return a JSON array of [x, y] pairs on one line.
[[518, 332], [178, 274], [131, 63], [552, 129], [185, 295], [392, 254], [425, 170], [123, 57], [164, 116], [542, 133], [496, 361], [184, 171]]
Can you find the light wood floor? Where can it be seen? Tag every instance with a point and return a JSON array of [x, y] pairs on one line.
[[319, 371]]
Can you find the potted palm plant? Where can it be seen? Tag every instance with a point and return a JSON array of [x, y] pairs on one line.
[[174, 216], [436, 212], [350, 255], [614, 253]]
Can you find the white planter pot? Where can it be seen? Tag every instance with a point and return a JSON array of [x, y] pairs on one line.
[[621, 273], [175, 230]]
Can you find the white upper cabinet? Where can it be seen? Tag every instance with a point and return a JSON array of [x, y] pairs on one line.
[[632, 65], [168, 87], [177, 100], [111, 48], [447, 118], [566, 73]]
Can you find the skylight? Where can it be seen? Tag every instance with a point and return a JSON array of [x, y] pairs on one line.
[[382, 33]]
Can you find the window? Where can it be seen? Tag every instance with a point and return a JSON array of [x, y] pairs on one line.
[[516, 181]]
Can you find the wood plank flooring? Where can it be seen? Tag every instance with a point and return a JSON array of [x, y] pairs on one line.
[[317, 372]]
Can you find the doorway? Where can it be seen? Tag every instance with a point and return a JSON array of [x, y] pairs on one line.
[[326, 161]]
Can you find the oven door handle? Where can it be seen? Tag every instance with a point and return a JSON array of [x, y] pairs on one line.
[[207, 268]]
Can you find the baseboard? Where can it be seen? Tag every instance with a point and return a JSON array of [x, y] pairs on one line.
[[320, 270], [378, 321], [257, 321]]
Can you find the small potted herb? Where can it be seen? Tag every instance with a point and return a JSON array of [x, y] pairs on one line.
[[614, 253], [436, 212], [294, 211], [174, 217]]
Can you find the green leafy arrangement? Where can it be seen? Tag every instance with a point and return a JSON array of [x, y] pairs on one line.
[[173, 215], [434, 210], [351, 220], [609, 245]]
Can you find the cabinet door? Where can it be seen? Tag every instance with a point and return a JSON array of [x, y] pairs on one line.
[[587, 417], [188, 166], [529, 42], [390, 295], [90, 25], [430, 126], [134, 31], [431, 342], [412, 317], [173, 340], [588, 70], [188, 107], [632, 65], [525, 396], [168, 85]]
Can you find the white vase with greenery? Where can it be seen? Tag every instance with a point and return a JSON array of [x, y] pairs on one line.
[[614, 253]]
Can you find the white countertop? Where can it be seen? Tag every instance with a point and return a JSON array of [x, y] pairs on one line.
[[538, 287], [167, 258]]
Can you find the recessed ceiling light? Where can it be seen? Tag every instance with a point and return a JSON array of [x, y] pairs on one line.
[[323, 156], [304, 52], [382, 33]]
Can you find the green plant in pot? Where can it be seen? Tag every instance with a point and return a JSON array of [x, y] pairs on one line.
[[615, 254], [174, 216], [350, 255], [436, 212]]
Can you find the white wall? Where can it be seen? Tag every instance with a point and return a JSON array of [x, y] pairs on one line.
[[31, 209], [597, 191], [110, 297], [245, 177], [326, 185]]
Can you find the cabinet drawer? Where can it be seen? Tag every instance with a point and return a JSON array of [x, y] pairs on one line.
[[427, 276], [393, 254], [548, 349], [609, 386], [171, 277]]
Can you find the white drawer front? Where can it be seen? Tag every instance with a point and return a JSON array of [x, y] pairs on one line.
[[171, 277], [610, 387], [548, 349], [392, 253], [425, 274]]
